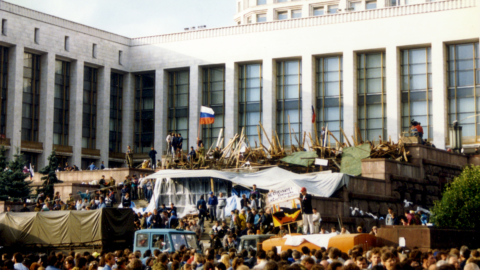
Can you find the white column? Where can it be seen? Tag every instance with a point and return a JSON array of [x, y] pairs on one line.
[[439, 102], [349, 93], [269, 120], [161, 109], [305, 10], [103, 114], [393, 108], [47, 87], [128, 111], [15, 97], [308, 97], [76, 111], [195, 103], [231, 101]]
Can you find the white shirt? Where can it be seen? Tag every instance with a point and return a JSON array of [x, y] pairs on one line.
[[169, 138], [19, 266], [259, 266], [253, 204], [316, 218], [222, 201]]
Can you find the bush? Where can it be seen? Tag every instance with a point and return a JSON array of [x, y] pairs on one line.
[[460, 204]]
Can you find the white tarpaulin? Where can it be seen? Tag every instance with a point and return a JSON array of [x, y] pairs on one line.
[[317, 184]]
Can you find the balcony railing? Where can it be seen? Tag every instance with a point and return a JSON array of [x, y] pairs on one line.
[[117, 155], [5, 141], [32, 145], [63, 148], [90, 152]]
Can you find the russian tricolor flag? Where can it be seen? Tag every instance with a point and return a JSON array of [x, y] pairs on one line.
[[207, 116]]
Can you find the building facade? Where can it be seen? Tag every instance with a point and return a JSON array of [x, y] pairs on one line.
[[369, 66]]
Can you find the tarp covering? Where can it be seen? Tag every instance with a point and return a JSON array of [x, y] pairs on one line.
[[65, 227], [320, 240], [317, 184], [352, 159], [184, 191], [303, 158]]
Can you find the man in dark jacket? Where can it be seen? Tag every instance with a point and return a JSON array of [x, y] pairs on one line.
[[152, 154], [179, 141], [201, 202], [306, 201], [215, 241], [175, 143], [212, 206]]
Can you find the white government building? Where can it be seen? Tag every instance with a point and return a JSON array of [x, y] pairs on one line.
[[378, 64]]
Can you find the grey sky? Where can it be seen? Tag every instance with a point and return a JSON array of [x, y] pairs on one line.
[[138, 18]]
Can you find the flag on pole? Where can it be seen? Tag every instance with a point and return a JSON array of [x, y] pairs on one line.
[[313, 115], [32, 173], [207, 116]]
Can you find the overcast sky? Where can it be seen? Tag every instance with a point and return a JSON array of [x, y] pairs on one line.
[[138, 18]]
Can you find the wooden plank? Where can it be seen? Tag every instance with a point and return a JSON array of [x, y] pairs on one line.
[[345, 136]]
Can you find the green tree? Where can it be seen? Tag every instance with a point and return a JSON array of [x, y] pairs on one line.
[[50, 176], [460, 204], [13, 180]]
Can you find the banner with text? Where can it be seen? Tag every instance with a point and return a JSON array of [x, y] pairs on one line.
[[285, 206], [282, 195]]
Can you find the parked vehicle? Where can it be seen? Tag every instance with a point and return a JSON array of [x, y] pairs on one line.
[[170, 240], [342, 242]]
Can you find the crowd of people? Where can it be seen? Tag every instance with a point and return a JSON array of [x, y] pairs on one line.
[[132, 188], [386, 258]]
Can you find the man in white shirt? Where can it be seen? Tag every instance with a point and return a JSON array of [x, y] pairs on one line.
[[344, 230], [222, 202], [316, 220], [169, 143], [261, 259]]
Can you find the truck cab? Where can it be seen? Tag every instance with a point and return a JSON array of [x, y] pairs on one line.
[[250, 241], [166, 240]]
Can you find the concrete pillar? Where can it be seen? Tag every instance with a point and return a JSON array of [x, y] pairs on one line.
[[195, 103], [76, 111], [15, 97], [128, 111], [103, 114], [439, 99], [270, 15], [161, 111], [393, 106], [349, 93], [47, 87], [231, 101], [308, 95], [269, 119]]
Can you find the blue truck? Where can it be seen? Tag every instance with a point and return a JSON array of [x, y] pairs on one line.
[[169, 240]]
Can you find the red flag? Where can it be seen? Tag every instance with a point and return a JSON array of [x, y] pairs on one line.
[[313, 115]]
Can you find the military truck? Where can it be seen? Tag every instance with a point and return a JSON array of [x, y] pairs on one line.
[[107, 228]]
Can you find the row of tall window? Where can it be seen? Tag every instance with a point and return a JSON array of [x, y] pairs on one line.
[[315, 11], [463, 94]]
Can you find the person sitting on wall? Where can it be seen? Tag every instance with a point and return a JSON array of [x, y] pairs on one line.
[[126, 200]]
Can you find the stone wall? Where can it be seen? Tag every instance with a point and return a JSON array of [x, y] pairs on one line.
[[386, 183]]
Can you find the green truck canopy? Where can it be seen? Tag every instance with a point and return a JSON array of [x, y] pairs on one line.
[[64, 228]]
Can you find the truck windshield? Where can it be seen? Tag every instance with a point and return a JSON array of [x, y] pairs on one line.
[[142, 240], [249, 244], [188, 240]]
